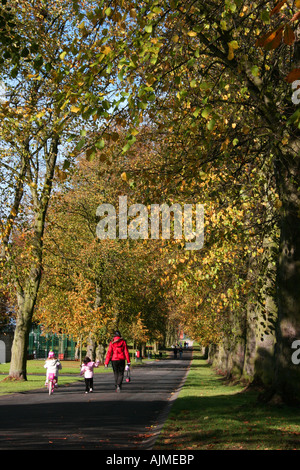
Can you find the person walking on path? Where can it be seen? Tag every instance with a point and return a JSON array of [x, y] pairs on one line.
[[87, 369], [118, 353]]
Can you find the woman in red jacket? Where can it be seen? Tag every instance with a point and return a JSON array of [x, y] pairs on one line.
[[118, 353]]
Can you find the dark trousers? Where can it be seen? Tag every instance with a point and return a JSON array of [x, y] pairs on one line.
[[88, 384], [118, 368]]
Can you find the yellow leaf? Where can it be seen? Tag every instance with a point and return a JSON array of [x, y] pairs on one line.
[[175, 38], [124, 176], [40, 114], [65, 104], [192, 34], [75, 109], [234, 44], [105, 50], [231, 47]]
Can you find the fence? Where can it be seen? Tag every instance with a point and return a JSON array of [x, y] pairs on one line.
[[39, 345]]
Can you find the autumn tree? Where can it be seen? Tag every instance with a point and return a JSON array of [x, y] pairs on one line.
[[42, 130], [120, 278], [213, 81], [227, 63]]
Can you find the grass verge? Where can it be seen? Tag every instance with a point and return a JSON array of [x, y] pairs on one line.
[[209, 414]]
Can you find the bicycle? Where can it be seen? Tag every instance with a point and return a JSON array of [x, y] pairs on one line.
[[51, 383]]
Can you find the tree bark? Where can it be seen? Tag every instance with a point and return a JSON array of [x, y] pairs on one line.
[[287, 374], [26, 301], [95, 350], [259, 354], [91, 348], [26, 296]]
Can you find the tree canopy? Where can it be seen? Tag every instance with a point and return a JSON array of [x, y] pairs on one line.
[[164, 102]]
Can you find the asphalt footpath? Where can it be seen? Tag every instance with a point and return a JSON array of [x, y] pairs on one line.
[[103, 420]]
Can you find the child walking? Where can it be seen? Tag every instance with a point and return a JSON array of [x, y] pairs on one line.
[[87, 369]]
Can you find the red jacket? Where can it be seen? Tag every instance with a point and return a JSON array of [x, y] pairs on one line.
[[117, 350]]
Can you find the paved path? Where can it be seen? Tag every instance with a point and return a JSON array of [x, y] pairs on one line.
[[102, 420]]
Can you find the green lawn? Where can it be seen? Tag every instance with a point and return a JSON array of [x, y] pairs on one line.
[[37, 367], [208, 414]]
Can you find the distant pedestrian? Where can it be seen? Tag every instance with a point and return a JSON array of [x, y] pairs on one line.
[[175, 352], [87, 369], [138, 357], [118, 352], [180, 352]]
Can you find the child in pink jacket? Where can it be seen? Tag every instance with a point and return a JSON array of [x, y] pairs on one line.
[[87, 369]]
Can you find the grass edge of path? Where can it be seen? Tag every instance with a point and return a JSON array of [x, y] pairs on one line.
[[210, 414]]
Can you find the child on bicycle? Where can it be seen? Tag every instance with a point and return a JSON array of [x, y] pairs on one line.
[[53, 366]]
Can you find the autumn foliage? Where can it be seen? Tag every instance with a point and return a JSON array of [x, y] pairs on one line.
[[164, 102]]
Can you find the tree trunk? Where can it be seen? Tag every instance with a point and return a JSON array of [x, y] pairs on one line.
[[26, 302], [20, 343], [261, 318], [101, 352], [259, 354], [91, 348], [95, 348], [287, 378], [236, 357], [27, 296], [218, 356]]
